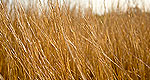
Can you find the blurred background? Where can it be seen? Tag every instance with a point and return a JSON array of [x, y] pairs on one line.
[[98, 6]]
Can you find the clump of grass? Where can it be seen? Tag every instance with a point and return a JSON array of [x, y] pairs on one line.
[[59, 43]]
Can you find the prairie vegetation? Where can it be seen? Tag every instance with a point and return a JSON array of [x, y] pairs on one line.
[[59, 43]]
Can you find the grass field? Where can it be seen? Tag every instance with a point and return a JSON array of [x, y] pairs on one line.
[[59, 43]]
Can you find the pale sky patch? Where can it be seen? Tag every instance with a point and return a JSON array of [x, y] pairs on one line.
[[98, 5]]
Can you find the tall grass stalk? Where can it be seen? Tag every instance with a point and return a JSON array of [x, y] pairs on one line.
[[59, 43]]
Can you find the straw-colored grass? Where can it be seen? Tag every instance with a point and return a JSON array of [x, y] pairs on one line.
[[62, 44]]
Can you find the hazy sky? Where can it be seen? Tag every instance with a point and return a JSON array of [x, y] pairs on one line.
[[98, 5]]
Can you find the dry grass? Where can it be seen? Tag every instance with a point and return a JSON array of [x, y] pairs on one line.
[[63, 44]]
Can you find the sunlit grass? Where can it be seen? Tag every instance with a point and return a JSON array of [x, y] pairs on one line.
[[62, 43]]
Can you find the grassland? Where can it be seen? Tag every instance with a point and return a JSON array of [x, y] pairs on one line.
[[63, 44]]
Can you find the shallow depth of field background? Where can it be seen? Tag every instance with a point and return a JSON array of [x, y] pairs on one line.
[[98, 6], [68, 41]]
